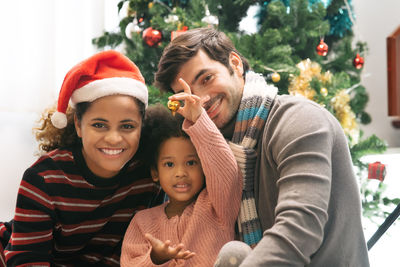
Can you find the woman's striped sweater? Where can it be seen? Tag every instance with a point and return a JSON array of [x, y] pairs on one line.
[[67, 216]]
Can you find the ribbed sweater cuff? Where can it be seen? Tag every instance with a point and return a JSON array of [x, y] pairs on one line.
[[198, 128]]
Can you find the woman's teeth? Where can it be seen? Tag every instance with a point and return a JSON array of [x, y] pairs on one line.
[[111, 151]]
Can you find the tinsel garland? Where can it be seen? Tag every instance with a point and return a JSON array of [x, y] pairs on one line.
[[339, 101]]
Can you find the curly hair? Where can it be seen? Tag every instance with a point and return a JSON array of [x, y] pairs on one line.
[[158, 126], [50, 137], [184, 47]]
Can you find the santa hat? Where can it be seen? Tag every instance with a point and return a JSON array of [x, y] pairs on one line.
[[105, 73]]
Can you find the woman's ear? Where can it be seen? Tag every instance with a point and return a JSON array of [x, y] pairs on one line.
[[154, 175], [77, 126], [236, 63]]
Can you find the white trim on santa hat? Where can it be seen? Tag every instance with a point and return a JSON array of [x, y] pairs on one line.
[[110, 86]]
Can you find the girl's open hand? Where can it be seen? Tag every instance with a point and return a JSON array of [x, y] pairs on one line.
[[163, 251], [193, 103]]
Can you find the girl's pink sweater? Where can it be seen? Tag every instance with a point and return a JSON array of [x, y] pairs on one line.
[[205, 225]]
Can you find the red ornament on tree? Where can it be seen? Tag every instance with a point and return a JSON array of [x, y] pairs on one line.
[[152, 37], [322, 48], [358, 61]]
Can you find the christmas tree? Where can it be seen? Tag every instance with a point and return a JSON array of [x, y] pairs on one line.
[[304, 47]]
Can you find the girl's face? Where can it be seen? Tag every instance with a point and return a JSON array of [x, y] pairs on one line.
[[179, 171], [110, 131]]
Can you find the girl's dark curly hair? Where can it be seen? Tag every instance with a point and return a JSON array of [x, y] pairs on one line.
[[158, 126]]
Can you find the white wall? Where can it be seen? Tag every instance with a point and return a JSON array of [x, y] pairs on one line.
[[375, 20], [40, 41]]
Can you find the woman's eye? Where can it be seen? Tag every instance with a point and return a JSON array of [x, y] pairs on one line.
[[127, 126], [98, 125]]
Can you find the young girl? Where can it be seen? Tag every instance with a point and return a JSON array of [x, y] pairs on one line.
[[199, 173], [75, 202]]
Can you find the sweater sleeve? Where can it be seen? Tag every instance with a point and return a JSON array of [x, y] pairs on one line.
[[135, 248], [223, 176], [301, 149], [32, 231]]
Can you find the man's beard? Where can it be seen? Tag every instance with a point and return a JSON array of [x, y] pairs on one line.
[[229, 127]]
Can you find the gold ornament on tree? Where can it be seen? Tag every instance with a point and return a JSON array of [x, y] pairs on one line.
[[275, 77], [323, 91]]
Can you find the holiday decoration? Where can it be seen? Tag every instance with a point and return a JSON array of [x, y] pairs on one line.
[[210, 19], [342, 20], [176, 33], [173, 105], [152, 37], [96, 77], [131, 28], [309, 70], [358, 61], [324, 91], [376, 171], [322, 48], [126, 10], [341, 105], [275, 77], [171, 18]]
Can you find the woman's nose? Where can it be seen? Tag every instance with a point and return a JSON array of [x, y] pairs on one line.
[[113, 137]]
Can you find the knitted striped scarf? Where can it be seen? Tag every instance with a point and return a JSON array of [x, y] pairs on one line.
[[252, 115]]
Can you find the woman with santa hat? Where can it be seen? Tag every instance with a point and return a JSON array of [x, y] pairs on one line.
[[76, 201]]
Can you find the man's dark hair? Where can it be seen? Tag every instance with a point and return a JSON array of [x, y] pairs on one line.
[[213, 42], [158, 126]]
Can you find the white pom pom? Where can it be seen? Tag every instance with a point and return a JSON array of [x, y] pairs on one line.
[[232, 254], [59, 120]]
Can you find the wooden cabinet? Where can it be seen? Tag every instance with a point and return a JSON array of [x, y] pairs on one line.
[[393, 70]]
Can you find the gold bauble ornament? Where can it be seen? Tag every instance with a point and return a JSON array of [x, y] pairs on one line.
[[275, 77], [323, 91], [173, 105], [150, 5]]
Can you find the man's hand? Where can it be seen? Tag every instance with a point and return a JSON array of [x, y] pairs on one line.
[[193, 103], [163, 251]]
